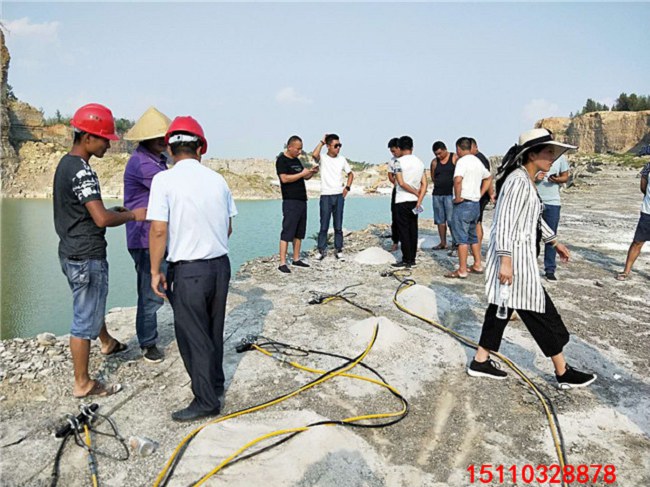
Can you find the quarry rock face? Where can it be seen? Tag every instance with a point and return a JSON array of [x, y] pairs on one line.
[[26, 122], [7, 152], [601, 132]]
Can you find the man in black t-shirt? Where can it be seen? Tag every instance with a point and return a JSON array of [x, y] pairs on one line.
[[292, 176], [80, 220], [487, 197]]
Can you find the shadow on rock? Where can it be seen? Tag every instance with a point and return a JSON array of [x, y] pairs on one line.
[[346, 465], [247, 318]]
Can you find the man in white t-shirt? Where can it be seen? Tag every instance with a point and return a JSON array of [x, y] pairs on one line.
[[332, 192], [471, 181], [642, 233], [411, 188], [191, 210]]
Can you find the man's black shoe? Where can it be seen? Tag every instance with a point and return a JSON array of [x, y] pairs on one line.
[[300, 263], [489, 369], [550, 277], [152, 354], [401, 263], [285, 269], [190, 414]]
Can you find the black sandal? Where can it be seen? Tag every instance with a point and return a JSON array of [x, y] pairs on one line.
[[118, 348]]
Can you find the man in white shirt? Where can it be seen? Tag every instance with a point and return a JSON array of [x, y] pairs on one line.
[[193, 206], [471, 181], [411, 188], [332, 192]]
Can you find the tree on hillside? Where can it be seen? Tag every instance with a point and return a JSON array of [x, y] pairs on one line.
[[123, 124], [10, 93], [631, 103], [57, 119], [592, 106], [358, 165]]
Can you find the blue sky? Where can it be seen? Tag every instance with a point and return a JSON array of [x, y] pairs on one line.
[[255, 73]]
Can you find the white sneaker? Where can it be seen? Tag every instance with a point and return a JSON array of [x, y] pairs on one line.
[[340, 256], [320, 256]]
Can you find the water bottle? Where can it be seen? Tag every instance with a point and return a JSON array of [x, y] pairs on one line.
[[504, 294]]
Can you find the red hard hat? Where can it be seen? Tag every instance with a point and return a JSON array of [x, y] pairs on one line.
[[95, 119], [190, 126]]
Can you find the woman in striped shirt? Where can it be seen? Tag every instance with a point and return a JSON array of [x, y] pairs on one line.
[[516, 233]]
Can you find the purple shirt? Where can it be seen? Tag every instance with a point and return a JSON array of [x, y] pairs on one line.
[[140, 170]]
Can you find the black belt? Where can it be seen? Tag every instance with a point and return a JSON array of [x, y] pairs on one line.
[[184, 262]]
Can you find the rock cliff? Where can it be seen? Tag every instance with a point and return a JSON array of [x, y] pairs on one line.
[[601, 132], [8, 157]]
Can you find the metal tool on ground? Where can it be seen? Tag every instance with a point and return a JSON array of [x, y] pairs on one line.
[[85, 423]]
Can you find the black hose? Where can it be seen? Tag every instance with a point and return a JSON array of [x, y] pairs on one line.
[[283, 346], [57, 460], [182, 451]]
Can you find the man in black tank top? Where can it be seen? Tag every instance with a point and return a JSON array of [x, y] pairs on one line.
[[442, 176]]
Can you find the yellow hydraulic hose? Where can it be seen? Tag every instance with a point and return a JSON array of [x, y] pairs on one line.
[[553, 427], [340, 372], [305, 428], [93, 473]]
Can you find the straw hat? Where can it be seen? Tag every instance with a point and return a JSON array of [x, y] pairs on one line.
[[534, 137], [151, 125]]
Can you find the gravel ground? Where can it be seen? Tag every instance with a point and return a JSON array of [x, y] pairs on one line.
[[454, 421]]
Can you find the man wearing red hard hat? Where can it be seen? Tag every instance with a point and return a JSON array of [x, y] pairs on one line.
[[193, 206], [80, 220]]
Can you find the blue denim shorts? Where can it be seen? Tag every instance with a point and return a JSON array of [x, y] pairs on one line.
[[443, 208], [466, 215], [88, 280]]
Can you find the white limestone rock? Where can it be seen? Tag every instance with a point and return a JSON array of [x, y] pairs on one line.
[[374, 256]]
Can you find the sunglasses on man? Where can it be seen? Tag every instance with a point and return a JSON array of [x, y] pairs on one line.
[[338, 146]]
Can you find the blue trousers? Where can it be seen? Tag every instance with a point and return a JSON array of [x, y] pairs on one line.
[[551, 216], [146, 324], [331, 205]]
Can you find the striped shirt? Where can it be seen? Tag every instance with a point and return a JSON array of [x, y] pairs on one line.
[[514, 232]]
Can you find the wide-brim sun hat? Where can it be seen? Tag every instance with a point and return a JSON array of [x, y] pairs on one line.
[[151, 125], [535, 137]]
